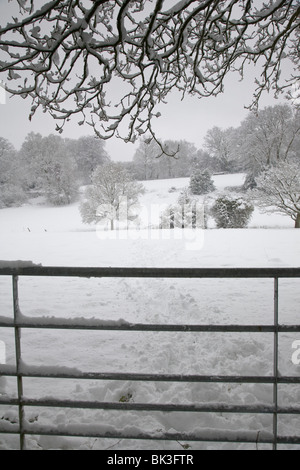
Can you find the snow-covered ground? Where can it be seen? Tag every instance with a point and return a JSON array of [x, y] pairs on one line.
[[57, 236]]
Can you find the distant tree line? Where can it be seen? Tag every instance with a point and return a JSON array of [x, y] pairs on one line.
[[263, 139], [56, 167], [49, 166]]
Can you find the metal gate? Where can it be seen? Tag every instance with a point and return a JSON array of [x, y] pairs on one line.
[[20, 322]]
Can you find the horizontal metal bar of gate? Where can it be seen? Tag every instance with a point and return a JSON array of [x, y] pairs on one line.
[[224, 436], [70, 271], [199, 408], [60, 324], [21, 371], [33, 372]]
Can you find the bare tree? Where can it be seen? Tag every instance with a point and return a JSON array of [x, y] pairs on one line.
[[112, 196], [269, 137], [278, 190], [221, 146], [144, 159], [148, 165], [71, 56]]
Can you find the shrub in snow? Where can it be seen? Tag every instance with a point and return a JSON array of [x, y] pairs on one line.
[[201, 182], [177, 216], [231, 212], [186, 213]]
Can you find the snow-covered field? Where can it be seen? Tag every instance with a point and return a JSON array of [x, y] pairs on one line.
[[56, 236]]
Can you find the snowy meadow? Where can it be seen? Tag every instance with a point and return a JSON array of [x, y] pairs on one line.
[[56, 236]]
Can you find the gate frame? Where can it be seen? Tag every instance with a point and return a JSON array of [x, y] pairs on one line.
[[19, 322]]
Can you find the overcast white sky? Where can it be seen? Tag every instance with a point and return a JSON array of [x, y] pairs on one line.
[[181, 120]]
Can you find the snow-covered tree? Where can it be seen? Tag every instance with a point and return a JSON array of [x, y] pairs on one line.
[[278, 190], [231, 212], [220, 143], [59, 172], [112, 195], [11, 181], [201, 181], [112, 62], [88, 153], [50, 168], [268, 137], [145, 160], [178, 167], [203, 159]]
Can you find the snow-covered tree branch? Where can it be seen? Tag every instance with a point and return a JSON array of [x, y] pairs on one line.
[[112, 62]]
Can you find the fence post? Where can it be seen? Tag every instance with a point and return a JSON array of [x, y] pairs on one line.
[[18, 360], [275, 364]]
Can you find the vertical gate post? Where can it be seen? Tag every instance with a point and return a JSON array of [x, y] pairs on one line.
[[18, 360], [275, 364]]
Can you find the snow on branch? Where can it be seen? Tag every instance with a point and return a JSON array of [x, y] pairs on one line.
[[111, 63]]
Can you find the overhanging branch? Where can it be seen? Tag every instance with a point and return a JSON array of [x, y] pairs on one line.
[[71, 56]]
